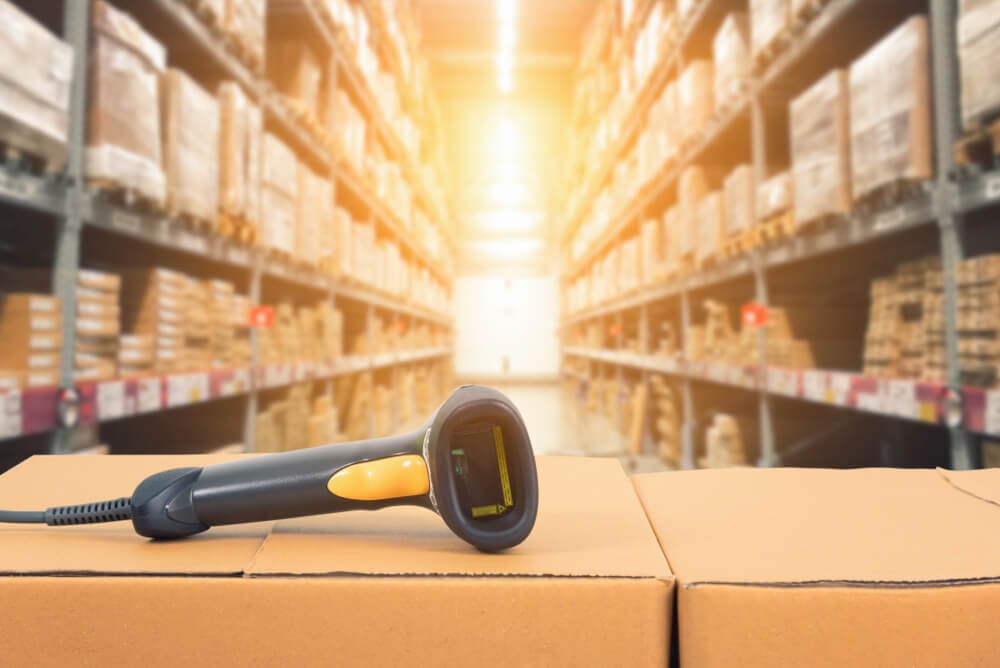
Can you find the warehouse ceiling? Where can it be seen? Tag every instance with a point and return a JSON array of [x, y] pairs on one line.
[[505, 147]]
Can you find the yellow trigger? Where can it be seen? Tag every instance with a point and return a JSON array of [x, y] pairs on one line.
[[389, 478]]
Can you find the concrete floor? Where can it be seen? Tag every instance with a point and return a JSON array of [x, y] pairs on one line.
[[559, 425]]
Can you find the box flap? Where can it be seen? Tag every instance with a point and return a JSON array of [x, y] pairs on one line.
[[41, 482], [791, 526], [590, 523]]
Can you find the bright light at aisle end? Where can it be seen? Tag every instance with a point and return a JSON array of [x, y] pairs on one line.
[[506, 18]]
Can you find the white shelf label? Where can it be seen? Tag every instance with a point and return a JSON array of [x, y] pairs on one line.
[[840, 388], [124, 220], [890, 219], [872, 402], [149, 398], [177, 390], [18, 188], [992, 187], [991, 420], [10, 414], [110, 400], [782, 381], [901, 398], [814, 385]]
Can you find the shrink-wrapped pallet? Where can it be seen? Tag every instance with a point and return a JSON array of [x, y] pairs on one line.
[[295, 70], [309, 205], [774, 196], [768, 20], [190, 123], [36, 70], [978, 54], [279, 190], [244, 21], [652, 251], [240, 135], [739, 196], [711, 226], [696, 96], [123, 129], [731, 50], [820, 149], [691, 190], [890, 111]]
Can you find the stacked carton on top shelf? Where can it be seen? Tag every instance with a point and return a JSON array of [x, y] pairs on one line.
[[240, 137], [891, 111], [98, 326], [978, 53], [123, 129], [31, 331], [244, 21], [979, 320], [820, 149], [279, 193], [696, 97], [190, 124], [731, 51], [769, 19], [739, 195], [36, 69]]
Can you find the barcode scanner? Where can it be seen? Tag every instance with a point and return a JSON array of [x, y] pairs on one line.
[[471, 462]]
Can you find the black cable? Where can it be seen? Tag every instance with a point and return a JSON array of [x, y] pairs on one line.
[[22, 517], [116, 510]]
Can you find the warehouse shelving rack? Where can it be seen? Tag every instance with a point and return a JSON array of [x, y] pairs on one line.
[[66, 199], [943, 203]]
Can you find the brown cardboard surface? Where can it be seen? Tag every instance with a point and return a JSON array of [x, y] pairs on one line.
[[816, 567], [42, 482], [589, 524], [225, 597]]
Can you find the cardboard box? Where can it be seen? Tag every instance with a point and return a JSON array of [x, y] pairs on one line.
[[891, 111], [189, 120], [27, 302], [731, 50], [123, 129], [696, 96], [978, 53], [768, 20], [831, 568], [590, 586]]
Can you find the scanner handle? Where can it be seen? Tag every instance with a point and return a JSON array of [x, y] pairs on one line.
[[363, 475]]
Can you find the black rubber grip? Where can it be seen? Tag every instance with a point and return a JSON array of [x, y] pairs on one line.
[[117, 510]]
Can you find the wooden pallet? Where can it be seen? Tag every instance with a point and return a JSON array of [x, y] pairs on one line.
[[206, 12], [806, 13], [770, 51], [237, 228], [821, 223], [126, 196], [888, 195], [979, 147], [33, 162], [776, 228]]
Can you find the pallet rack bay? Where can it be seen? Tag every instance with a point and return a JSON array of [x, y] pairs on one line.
[[68, 413], [946, 217]]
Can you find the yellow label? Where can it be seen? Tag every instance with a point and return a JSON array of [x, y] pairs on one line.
[[483, 511], [508, 497], [927, 412], [828, 396], [389, 478]]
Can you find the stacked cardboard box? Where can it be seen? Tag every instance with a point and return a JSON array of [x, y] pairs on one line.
[[31, 331], [900, 338], [198, 324], [774, 197], [244, 21], [296, 72], [696, 97], [219, 297], [979, 320], [711, 226], [821, 150], [123, 129], [978, 53], [382, 400], [240, 136], [154, 305], [890, 111], [98, 326], [739, 201], [768, 20], [352, 128], [324, 424], [279, 427], [189, 120], [136, 355], [310, 205], [240, 355], [723, 444], [279, 194], [666, 421], [731, 50], [36, 69], [691, 190]]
